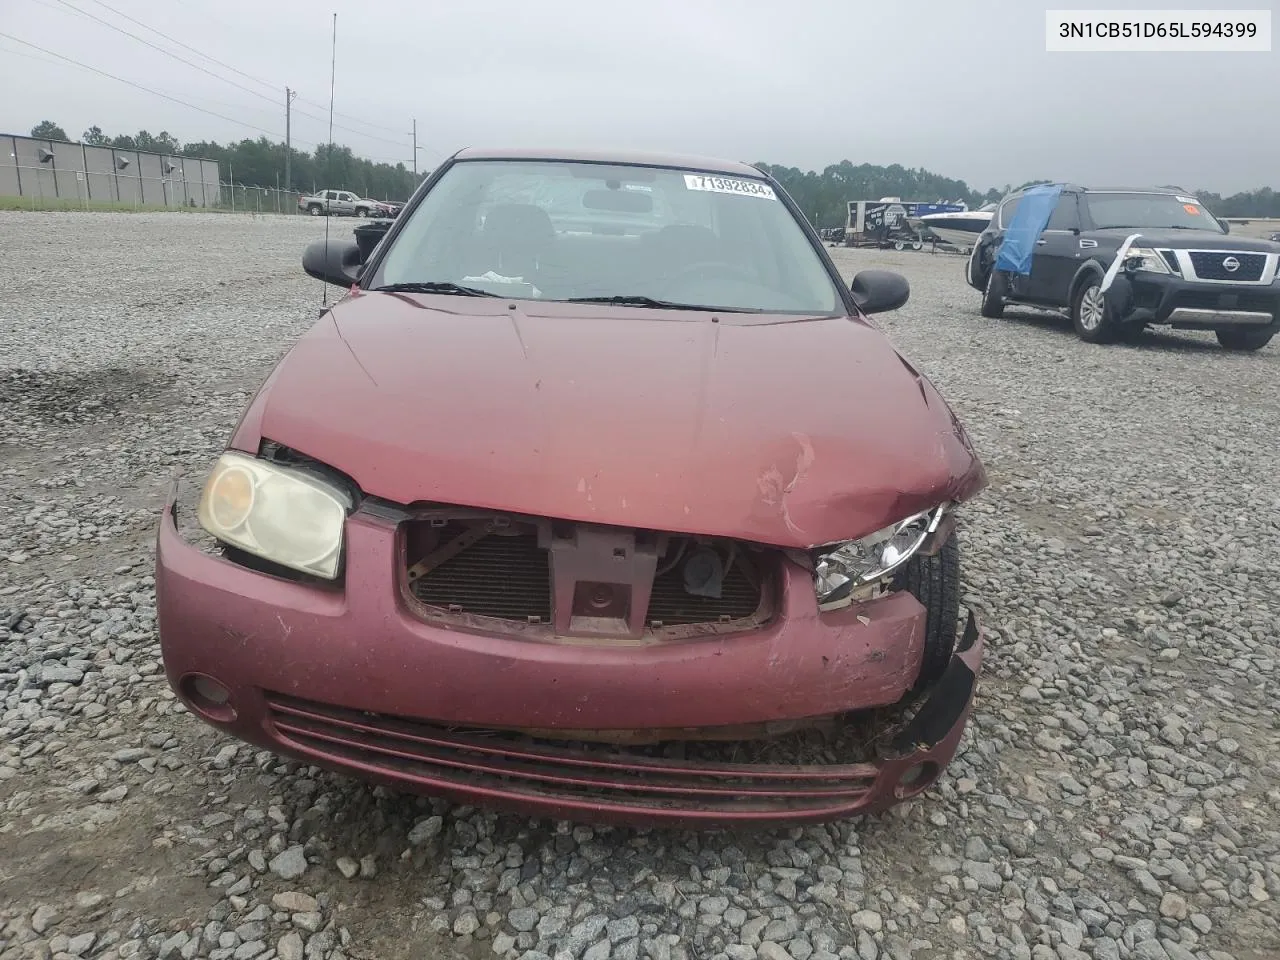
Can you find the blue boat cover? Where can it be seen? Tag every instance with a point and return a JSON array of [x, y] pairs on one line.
[[1019, 243]]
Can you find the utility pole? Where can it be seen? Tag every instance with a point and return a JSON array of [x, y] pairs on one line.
[[415, 149], [289, 96]]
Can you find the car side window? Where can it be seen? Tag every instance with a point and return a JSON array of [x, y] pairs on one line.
[[1007, 210], [1066, 215]]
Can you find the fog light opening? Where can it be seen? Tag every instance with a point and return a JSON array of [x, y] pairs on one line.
[[207, 697], [918, 778]]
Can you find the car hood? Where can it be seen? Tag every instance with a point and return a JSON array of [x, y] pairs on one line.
[[776, 430], [1193, 239]]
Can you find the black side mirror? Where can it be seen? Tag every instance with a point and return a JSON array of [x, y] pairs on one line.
[[336, 262], [879, 291]]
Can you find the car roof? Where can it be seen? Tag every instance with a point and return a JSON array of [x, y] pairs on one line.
[[624, 157], [1077, 188]]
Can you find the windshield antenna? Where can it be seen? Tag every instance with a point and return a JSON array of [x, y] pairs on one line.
[[328, 161]]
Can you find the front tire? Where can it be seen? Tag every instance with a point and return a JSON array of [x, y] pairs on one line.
[[935, 582], [1091, 315], [993, 294], [362, 212], [1244, 340]]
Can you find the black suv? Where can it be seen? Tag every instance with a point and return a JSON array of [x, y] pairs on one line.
[[1177, 267]]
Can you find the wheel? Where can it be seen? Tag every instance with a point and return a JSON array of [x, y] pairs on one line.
[[1091, 315], [993, 294], [362, 212], [898, 245], [314, 210], [935, 582], [917, 245], [1247, 340]]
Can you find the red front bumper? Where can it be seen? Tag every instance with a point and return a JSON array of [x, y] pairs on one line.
[[354, 681]]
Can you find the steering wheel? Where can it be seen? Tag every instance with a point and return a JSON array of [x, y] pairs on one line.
[[714, 266]]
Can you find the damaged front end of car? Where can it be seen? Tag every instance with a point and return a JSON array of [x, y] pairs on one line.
[[701, 680], [762, 775]]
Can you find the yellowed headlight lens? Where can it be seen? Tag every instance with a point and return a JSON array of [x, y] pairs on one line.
[[230, 497], [277, 512]]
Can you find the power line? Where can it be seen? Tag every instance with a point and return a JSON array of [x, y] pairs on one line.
[[167, 53], [247, 76], [138, 86], [199, 53], [60, 59], [196, 66]]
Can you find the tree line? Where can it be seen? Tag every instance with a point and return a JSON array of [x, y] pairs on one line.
[[822, 196]]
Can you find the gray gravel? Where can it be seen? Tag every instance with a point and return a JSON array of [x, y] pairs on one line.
[[1118, 794]]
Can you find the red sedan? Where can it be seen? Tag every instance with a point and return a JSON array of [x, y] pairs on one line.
[[597, 496]]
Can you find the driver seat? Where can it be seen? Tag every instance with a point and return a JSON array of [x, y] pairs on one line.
[[679, 245], [518, 237]]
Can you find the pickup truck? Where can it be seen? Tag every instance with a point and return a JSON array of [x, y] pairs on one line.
[[343, 203]]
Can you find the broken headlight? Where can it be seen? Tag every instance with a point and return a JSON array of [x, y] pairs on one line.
[[841, 568], [279, 513], [1146, 260]]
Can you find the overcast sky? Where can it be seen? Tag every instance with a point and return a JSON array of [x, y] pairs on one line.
[[961, 87]]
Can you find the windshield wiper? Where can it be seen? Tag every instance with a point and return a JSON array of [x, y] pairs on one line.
[[434, 286], [628, 300]]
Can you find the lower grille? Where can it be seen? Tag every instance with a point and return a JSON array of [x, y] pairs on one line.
[[1213, 300], [1209, 265], [517, 766]]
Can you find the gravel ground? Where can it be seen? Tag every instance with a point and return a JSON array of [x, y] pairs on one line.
[[1118, 791]]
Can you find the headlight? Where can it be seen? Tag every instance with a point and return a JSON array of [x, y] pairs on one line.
[[1146, 259], [275, 512], [841, 568]]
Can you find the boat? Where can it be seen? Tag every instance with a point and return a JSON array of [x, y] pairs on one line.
[[960, 228]]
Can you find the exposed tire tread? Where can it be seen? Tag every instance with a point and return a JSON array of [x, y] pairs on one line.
[[935, 582], [993, 295]]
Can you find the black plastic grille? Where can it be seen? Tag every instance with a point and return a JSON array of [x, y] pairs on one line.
[[1212, 300], [505, 577], [1208, 266]]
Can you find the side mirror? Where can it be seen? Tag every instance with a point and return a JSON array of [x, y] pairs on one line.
[[337, 262], [879, 291]]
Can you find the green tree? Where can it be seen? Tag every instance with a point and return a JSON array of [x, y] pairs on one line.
[[48, 130], [95, 137]]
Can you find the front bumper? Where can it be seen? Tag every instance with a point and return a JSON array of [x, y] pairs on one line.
[[1140, 297], [353, 681]]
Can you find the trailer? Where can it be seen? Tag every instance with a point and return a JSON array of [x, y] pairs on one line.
[[890, 222]]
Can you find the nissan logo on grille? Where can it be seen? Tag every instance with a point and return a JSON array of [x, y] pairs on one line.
[[1231, 264]]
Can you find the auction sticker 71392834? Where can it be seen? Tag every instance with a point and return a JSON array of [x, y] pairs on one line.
[[745, 188]]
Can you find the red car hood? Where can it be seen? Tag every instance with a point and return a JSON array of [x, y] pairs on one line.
[[794, 433]]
